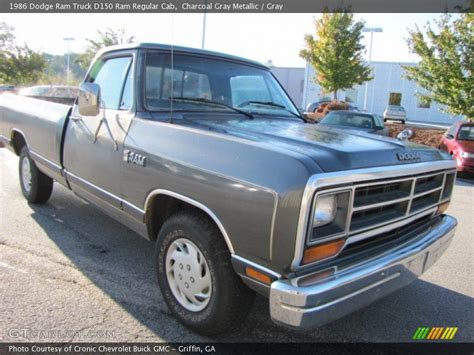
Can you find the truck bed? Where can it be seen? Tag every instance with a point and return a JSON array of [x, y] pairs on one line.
[[40, 122]]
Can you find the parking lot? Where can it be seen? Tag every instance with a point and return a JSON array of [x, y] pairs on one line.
[[70, 273]]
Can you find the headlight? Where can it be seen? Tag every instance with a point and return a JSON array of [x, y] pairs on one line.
[[467, 155], [329, 217], [325, 212]]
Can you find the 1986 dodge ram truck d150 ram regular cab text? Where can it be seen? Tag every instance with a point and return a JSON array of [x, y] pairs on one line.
[[206, 155]]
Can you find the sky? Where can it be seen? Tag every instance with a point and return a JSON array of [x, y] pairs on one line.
[[261, 37]]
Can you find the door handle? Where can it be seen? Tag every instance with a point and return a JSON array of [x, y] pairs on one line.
[[76, 118]]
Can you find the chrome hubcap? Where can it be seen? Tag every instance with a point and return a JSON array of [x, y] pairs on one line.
[[188, 275], [26, 174]]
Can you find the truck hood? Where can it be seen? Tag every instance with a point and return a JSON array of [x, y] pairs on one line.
[[331, 148]]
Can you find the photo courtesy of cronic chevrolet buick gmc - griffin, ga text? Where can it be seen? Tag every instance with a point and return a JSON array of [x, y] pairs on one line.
[[206, 155]]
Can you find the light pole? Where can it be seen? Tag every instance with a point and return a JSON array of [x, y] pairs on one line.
[[68, 41], [371, 30]]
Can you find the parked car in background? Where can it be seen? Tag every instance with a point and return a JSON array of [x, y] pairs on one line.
[[458, 141], [394, 112], [6, 88], [351, 107], [54, 93], [313, 106], [365, 122], [319, 106]]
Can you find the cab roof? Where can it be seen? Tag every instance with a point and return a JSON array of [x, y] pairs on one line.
[[187, 50]]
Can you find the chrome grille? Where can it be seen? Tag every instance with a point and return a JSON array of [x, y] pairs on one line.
[[378, 204], [382, 202]]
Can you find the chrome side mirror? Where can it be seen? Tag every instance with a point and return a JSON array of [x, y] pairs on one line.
[[405, 134], [89, 99]]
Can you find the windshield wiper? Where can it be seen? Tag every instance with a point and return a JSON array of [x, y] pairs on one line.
[[273, 104], [210, 102]]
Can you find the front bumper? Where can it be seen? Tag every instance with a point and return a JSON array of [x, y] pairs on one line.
[[360, 284]]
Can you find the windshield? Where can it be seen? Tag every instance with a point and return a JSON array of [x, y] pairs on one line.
[[349, 119], [396, 108], [208, 80], [466, 133]]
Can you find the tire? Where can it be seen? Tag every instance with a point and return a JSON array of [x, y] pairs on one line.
[[402, 121], [35, 186], [227, 301]]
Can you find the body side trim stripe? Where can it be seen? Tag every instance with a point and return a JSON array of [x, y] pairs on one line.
[[5, 139], [111, 195], [45, 161]]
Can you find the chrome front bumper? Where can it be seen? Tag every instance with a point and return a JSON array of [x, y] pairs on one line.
[[360, 284]]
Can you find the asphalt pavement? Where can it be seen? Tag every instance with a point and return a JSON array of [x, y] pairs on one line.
[[70, 273]]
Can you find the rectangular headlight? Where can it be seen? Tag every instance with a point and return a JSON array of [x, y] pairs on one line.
[[329, 215]]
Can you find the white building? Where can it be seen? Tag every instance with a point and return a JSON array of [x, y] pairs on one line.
[[387, 87], [292, 80]]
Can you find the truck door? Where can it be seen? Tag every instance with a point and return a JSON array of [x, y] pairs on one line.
[[93, 148]]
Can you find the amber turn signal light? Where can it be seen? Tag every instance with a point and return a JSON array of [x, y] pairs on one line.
[[443, 207], [254, 274], [322, 251]]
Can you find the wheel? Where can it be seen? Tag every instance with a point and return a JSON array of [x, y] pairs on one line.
[[196, 277], [403, 121], [35, 186]]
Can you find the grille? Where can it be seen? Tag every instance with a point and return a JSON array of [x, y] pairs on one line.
[[381, 202]]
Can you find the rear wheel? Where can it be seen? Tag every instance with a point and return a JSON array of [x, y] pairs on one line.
[[35, 186], [196, 277]]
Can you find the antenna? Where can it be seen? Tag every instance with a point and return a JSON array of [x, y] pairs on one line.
[[172, 69]]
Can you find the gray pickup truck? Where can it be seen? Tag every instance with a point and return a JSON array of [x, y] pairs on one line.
[[206, 155]]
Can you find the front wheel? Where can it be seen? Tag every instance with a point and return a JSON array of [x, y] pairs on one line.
[[35, 186], [196, 277]]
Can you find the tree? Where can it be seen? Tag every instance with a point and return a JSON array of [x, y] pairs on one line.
[[336, 53], [109, 37], [56, 67], [6, 37], [19, 65], [447, 63]]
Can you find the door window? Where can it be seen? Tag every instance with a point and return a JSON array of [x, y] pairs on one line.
[[451, 131], [127, 95], [110, 78]]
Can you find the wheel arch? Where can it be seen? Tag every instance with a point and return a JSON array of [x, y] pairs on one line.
[[160, 204], [18, 140]]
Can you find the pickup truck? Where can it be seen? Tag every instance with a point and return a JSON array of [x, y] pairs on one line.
[[206, 156]]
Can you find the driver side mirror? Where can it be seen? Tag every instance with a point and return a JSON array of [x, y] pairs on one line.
[[89, 99], [449, 136]]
